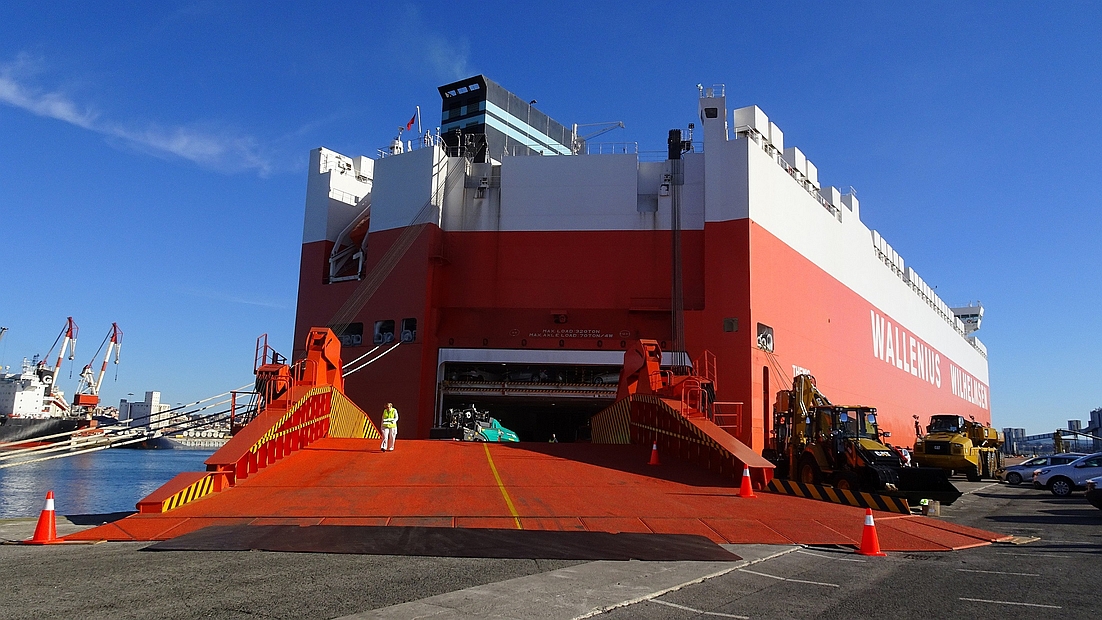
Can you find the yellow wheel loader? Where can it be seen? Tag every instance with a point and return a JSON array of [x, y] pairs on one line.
[[816, 442]]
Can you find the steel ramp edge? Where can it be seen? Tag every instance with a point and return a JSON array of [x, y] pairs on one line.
[[825, 493], [277, 432], [697, 440]]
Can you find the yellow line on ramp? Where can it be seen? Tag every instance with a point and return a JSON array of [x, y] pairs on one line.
[[501, 486]]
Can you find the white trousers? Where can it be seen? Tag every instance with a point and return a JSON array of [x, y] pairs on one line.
[[390, 435]]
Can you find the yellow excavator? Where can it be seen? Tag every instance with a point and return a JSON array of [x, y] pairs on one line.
[[816, 442], [959, 446]]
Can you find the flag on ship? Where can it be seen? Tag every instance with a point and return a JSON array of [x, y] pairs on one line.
[[412, 120]]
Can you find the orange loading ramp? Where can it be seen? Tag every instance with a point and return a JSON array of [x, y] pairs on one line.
[[311, 457]]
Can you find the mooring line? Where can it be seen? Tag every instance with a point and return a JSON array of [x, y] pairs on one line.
[[501, 487]]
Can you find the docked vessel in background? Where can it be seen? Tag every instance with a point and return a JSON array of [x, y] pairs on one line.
[[31, 406]]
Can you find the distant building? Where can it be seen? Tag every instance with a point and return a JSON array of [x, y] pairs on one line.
[[1012, 440], [1075, 425], [1095, 428], [150, 412]]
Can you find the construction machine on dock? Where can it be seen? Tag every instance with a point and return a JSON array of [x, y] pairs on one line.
[[957, 445], [817, 442]]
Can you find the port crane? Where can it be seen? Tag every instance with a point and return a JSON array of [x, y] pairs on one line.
[[87, 394], [67, 337]]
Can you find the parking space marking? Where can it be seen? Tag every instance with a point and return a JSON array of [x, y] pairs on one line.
[[697, 611], [993, 484], [983, 600], [997, 572], [830, 557], [814, 583]]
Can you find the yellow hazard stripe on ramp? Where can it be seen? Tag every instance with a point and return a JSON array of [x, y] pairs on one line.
[[501, 487], [275, 431], [192, 492], [876, 501], [348, 420], [613, 425]]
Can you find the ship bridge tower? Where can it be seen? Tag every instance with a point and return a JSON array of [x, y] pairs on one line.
[[713, 113], [487, 121]]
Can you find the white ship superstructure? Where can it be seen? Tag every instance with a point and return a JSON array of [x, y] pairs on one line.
[[489, 255]]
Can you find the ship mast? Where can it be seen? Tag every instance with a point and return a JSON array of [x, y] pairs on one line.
[[677, 294]]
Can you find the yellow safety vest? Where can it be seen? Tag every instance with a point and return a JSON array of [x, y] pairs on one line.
[[390, 417]]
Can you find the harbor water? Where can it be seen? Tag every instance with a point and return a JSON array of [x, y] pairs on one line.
[[105, 481]]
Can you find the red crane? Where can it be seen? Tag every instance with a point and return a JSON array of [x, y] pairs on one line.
[[69, 333], [87, 394]]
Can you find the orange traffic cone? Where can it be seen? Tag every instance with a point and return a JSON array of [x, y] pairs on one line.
[[654, 454], [747, 489], [45, 533], [870, 545]]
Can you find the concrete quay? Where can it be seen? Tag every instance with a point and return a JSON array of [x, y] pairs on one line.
[[1047, 574]]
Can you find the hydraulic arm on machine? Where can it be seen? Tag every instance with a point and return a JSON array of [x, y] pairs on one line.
[[817, 442]]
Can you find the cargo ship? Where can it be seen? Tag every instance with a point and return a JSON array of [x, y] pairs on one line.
[[506, 261], [32, 407]]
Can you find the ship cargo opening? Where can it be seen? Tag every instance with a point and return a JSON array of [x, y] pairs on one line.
[[537, 401]]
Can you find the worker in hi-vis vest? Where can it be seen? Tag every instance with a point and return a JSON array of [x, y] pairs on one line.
[[390, 427]]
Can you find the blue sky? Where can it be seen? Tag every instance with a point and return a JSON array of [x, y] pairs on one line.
[[153, 155]]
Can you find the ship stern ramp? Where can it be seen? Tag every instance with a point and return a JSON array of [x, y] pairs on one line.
[[312, 458]]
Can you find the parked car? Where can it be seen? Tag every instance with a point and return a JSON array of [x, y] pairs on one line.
[[607, 377], [526, 375], [1014, 474], [474, 374], [1061, 480], [1094, 492]]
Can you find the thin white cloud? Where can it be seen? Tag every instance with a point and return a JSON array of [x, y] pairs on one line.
[[223, 150], [447, 57], [234, 299]]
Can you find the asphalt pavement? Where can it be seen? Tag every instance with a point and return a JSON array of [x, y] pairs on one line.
[[1052, 571]]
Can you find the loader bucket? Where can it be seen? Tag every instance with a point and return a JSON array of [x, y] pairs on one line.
[[919, 483]]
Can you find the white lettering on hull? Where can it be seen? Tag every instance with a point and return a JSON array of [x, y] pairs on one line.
[[968, 387], [892, 345]]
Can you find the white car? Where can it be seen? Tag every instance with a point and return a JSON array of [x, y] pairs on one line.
[[1061, 480], [1015, 474]]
